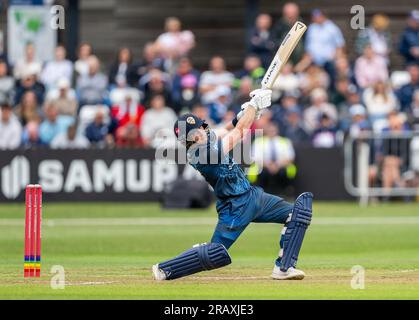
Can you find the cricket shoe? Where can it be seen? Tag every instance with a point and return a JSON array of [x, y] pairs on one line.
[[158, 274], [290, 274]]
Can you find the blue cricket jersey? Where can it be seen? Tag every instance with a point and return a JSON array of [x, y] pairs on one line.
[[219, 169]]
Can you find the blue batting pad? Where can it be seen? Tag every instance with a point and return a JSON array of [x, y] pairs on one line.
[[296, 228], [200, 258]]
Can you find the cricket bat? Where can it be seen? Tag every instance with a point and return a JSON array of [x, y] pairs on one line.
[[282, 55]]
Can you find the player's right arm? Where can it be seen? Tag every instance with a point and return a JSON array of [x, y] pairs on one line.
[[260, 100]]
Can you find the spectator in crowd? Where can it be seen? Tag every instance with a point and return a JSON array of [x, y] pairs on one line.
[[274, 157], [320, 106], [58, 69], [405, 93], [290, 15], [340, 92], [324, 41], [343, 70], [28, 109], [202, 112], [379, 100], [100, 133], [241, 95], [394, 152], [81, 66], [325, 134], [30, 136], [28, 62], [64, 98], [287, 80], [175, 42], [294, 129], [150, 60], [219, 106], [409, 42], [289, 100], [314, 77], [154, 132], [262, 41], [185, 86], [69, 139], [216, 77], [376, 35], [352, 97], [121, 71], [53, 124], [370, 68], [10, 128], [252, 68], [7, 83], [156, 82], [413, 113], [359, 120], [92, 87], [29, 82], [129, 112]]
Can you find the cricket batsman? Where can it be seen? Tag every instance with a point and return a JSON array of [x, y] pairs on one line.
[[238, 203]]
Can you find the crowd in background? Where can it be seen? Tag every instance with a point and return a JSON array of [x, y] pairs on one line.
[[320, 97]]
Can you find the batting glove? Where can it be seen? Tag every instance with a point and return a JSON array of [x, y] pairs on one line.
[[260, 98]]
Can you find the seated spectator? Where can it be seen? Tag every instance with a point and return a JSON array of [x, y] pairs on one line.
[[28, 109], [274, 158], [320, 106], [156, 82], [127, 112], [219, 106], [252, 68], [394, 152], [290, 15], [377, 35], [405, 93], [129, 137], [69, 139], [352, 97], [294, 129], [58, 69], [92, 87], [28, 62], [121, 72], [370, 68], [29, 82], [340, 92], [325, 134], [413, 113], [262, 41], [314, 77], [175, 43], [379, 100], [64, 98], [202, 112], [81, 66], [150, 60], [100, 133], [153, 132], [185, 86], [343, 69], [287, 80], [53, 124], [324, 41], [30, 136], [359, 120], [409, 42], [7, 83], [241, 95], [216, 77], [289, 100], [10, 128]]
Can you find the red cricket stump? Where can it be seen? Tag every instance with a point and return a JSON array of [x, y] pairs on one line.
[[33, 222]]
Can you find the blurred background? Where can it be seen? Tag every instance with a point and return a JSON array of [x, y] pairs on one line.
[[89, 88]]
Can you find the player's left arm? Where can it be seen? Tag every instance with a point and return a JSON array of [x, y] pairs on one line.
[[261, 99]]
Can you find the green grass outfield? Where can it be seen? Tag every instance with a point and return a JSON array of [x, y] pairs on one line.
[[107, 250]]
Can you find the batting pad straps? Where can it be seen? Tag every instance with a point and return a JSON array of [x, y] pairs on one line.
[[199, 258], [295, 231]]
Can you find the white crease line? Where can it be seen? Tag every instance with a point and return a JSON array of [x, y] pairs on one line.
[[182, 221]]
